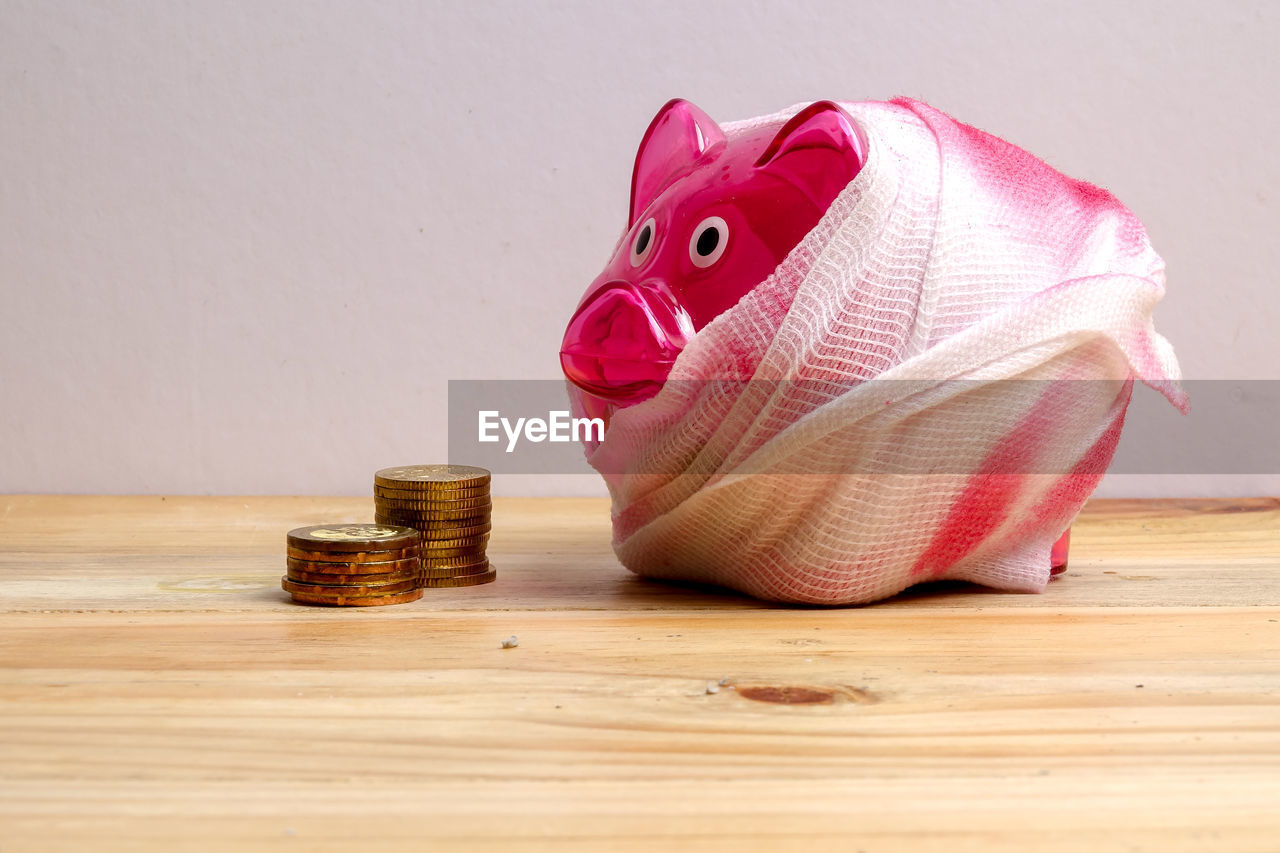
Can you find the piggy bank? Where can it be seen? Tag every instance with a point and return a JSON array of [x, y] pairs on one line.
[[710, 217]]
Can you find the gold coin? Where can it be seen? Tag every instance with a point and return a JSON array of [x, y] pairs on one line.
[[334, 568], [320, 589], [415, 518], [429, 530], [435, 532], [473, 551], [428, 523], [351, 537], [433, 547], [432, 477], [460, 580], [476, 568], [433, 512], [461, 560], [452, 516], [324, 578], [357, 601], [452, 498], [352, 556]]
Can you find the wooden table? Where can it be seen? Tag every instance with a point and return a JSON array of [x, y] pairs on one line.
[[159, 691]]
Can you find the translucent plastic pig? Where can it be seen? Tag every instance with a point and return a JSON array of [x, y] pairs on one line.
[[709, 219]]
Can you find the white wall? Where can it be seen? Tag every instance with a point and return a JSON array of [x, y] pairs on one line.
[[243, 245]]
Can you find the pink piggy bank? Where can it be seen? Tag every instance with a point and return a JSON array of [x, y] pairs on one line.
[[710, 218]]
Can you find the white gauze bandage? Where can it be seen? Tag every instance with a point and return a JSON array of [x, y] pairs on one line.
[[850, 427]]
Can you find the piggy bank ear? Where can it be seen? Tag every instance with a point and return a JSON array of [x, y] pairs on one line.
[[819, 151], [678, 137]]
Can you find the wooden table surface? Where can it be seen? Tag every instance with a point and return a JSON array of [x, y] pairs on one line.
[[158, 691]]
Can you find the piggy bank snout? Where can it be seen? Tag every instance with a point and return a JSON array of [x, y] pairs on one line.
[[621, 342]]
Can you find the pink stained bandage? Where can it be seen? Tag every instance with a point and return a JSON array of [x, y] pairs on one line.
[[764, 455]]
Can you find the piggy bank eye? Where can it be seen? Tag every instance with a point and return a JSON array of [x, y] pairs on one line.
[[643, 243], [708, 241]]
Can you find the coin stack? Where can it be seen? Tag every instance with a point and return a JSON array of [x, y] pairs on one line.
[[449, 505], [353, 565]]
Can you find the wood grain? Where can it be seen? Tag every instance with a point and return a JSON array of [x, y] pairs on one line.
[[159, 691]]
